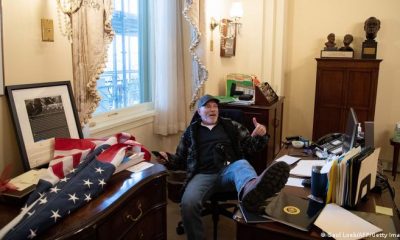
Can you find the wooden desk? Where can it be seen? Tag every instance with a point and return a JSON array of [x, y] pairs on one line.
[[132, 206], [277, 231]]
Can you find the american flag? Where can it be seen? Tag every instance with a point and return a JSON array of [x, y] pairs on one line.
[[71, 181]]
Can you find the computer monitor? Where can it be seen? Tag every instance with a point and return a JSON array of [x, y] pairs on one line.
[[350, 133]]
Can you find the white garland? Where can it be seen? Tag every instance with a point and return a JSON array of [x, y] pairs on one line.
[[67, 7], [66, 28], [202, 74]]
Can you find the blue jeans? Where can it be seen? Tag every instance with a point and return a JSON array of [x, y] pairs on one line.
[[202, 186]]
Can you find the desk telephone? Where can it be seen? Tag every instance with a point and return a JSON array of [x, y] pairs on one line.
[[332, 142]]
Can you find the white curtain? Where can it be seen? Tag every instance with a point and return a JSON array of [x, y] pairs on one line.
[[91, 36], [168, 69]]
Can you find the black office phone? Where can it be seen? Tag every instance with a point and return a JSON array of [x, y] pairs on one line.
[[332, 142], [329, 138]]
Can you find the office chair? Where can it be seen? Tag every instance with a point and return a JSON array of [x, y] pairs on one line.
[[220, 202]]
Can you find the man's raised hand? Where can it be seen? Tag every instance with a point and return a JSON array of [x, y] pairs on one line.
[[259, 129]]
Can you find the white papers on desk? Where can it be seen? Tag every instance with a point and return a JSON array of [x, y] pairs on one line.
[[304, 167], [27, 179], [288, 159], [331, 221], [295, 182], [140, 167]]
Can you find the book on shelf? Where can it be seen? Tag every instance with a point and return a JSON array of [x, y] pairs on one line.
[[130, 161]]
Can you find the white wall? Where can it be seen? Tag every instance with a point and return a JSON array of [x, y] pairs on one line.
[[248, 57], [305, 27], [309, 22], [28, 60], [261, 50]]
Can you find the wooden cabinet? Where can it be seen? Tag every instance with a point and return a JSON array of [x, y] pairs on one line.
[[132, 206], [341, 84], [141, 215], [270, 116]]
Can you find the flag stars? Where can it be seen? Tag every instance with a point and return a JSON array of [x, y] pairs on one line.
[[42, 201], [99, 170], [54, 189], [72, 170], [55, 215], [102, 182], [25, 208], [87, 182], [32, 233], [30, 213], [88, 197], [65, 179], [73, 197]]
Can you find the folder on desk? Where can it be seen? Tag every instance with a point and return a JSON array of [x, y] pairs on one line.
[[368, 164], [352, 177], [293, 211], [251, 217]]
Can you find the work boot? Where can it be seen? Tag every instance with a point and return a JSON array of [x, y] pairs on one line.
[[270, 181]]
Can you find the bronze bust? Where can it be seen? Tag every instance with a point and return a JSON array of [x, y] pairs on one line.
[[347, 40], [371, 27], [330, 44]]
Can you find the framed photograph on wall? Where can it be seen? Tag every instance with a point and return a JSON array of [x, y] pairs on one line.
[[228, 39], [42, 112]]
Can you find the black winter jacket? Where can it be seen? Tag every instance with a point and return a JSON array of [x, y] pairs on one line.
[[186, 156]]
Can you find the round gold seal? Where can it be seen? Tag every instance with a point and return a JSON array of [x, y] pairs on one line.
[[291, 210]]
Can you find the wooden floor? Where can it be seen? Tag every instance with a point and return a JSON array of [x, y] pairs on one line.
[[227, 227]]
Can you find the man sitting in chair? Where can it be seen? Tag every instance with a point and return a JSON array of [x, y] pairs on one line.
[[212, 151]]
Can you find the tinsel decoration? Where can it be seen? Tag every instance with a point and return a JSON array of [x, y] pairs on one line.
[[200, 73]]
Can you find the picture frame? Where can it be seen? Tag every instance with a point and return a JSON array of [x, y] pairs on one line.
[[228, 39], [265, 95], [41, 112]]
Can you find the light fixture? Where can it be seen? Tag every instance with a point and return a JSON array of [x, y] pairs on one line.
[[236, 13], [229, 29], [236, 10], [213, 25]]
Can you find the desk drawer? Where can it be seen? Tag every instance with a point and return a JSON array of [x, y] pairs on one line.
[[150, 196], [150, 228]]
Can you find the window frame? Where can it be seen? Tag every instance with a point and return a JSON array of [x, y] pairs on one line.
[[127, 116]]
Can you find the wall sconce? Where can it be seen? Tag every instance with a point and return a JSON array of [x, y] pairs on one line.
[[213, 25], [229, 29]]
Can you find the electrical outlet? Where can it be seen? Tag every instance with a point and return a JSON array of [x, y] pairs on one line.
[[47, 30]]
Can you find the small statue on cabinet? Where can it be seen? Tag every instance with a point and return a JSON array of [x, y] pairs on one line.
[[371, 27], [370, 46], [330, 44], [347, 40]]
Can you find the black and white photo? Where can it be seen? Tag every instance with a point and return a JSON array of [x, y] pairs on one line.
[[42, 112]]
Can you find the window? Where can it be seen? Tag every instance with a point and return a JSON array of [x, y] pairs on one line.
[[125, 80]]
